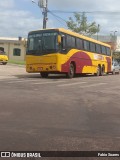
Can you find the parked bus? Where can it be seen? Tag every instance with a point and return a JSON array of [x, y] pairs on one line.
[[63, 51]]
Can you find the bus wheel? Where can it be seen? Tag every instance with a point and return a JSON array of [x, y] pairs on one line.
[[44, 74], [71, 72], [102, 71], [4, 63], [98, 71], [113, 72]]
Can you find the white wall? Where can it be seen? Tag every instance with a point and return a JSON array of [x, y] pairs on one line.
[[9, 46]]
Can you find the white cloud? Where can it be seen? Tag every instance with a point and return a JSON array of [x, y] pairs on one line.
[[14, 23], [5, 4], [85, 5], [18, 22], [108, 21]]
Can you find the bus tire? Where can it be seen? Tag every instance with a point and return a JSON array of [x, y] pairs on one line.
[[113, 72], [71, 72], [44, 74], [4, 63], [98, 71], [102, 71]]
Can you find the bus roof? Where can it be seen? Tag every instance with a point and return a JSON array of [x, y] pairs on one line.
[[67, 31]]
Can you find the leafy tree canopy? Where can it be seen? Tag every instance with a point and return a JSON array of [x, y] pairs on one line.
[[116, 55], [80, 25]]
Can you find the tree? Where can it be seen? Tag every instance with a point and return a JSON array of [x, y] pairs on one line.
[[80, 25], [116, 55]]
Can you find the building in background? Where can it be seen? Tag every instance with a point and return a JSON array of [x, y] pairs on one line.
[[112, 40], [15, 48]]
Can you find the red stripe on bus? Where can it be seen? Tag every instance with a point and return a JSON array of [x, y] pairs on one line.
[[81, 59]]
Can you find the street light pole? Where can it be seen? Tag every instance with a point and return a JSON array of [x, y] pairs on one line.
[[43, 4], [45, 10]]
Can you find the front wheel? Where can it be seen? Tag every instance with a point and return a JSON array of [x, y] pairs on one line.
[[44, 74], [71, 71], [4, 63]]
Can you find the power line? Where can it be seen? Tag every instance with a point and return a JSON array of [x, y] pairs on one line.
[[58, 18], [89, 12]]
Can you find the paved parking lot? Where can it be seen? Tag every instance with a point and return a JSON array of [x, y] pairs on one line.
[[56, 113]]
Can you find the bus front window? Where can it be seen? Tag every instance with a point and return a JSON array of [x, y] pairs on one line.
[[50, 42], [34, 44], [42, 43]]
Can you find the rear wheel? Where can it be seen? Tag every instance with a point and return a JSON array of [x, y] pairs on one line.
[[4, 63], [44, 74], [98, 71], [102, 71], [71, 71]]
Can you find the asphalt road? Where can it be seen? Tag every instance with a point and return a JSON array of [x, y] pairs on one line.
[[79, 114]]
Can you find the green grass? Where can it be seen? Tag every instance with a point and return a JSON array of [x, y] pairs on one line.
[[16, 62]]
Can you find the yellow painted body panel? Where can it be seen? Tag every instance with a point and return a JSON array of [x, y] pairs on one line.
[[3, 58], [53, 62], [97, 59], [43, 63]]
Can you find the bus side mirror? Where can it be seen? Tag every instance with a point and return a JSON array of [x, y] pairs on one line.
[[59, 39]]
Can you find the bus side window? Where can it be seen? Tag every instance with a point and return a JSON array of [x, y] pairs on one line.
[[73, 42], [63, 42], [86, 45], [103, 50], [70, 42], [79, 43], [92, 47], [98, 48], [108, 51]]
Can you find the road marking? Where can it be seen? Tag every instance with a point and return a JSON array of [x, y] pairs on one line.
[[70, 84], [48, 82], [92, 85], [20, 81], [28, 80], [43, 81], [6, 77]]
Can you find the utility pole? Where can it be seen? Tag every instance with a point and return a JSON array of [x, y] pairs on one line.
[[45, 10], [44, 4], [98, 28]]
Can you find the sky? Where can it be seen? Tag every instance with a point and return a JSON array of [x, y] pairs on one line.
[[18, 17]]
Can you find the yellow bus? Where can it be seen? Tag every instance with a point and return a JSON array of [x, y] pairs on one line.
[[63, 51]]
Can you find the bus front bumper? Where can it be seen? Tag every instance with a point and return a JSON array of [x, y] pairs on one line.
[[42, 68]]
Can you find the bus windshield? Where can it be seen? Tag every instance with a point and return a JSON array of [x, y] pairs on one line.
[[42, 43]]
